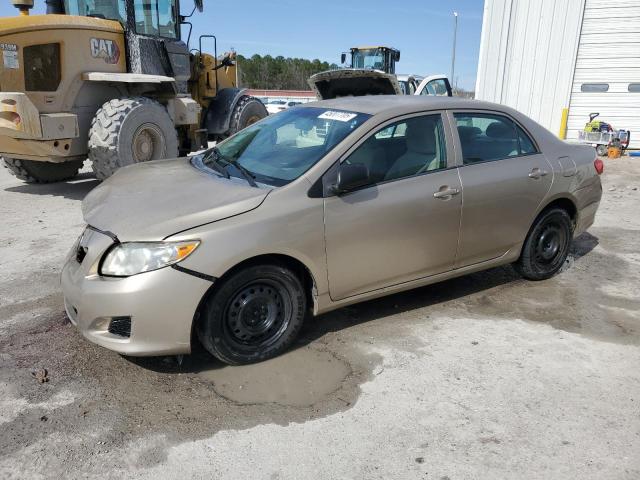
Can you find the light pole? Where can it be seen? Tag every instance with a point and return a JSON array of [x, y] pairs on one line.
[[453, 53]]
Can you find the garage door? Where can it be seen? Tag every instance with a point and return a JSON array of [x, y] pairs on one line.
[[607, 75]]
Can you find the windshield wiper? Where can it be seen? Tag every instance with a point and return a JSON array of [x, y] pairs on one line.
[[220, 164], [213, 160], [245, 173]]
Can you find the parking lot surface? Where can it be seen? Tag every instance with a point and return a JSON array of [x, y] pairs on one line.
[[486, 376]]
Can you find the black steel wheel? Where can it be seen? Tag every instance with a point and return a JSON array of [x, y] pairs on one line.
[[255, 314], [547, 245]]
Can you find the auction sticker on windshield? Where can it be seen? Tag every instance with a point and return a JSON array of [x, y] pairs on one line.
[[339, 116]]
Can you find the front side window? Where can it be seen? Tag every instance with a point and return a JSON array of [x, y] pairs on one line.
[[489, 137], [280, 148], [109, 10], [156, 17], [409, 147]]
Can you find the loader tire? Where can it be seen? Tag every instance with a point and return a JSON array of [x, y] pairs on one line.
[[130, 130], [33, 171], [247, 111]]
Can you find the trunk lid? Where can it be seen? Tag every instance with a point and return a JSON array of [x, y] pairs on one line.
[[353, 82]]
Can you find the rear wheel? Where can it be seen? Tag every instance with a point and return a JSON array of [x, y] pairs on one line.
[[130, 130], [247, 111], [254, 315], [31, 171], [547, 245]]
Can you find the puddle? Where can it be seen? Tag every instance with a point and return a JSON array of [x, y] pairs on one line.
[[299, 378]]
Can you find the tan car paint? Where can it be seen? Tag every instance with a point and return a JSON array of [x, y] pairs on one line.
[[321, 232]]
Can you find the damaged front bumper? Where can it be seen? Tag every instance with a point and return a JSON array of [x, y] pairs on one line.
[[143, 315]]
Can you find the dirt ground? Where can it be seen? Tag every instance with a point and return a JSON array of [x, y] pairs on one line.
[[487, 376]]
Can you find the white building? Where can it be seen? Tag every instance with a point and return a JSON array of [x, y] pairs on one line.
[[542, 56]]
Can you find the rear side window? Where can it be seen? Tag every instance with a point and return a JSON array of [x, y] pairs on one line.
[[489, 137], [526, 145]]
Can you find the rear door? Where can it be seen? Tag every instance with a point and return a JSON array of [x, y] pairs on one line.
[[504, 179], [404, 224]]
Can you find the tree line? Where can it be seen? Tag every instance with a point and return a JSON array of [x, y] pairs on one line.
[[278, 73]]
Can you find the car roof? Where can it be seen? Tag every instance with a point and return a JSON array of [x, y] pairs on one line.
[[401, 104]]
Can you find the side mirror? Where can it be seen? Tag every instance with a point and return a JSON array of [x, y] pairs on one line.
[[350, 177], [199, 5], [343, 58], [397, 55]]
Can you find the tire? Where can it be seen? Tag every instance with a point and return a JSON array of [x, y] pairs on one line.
[[33, 171], [254, 315], [602, 150], [125, 131], [247, 111], [547, 245]]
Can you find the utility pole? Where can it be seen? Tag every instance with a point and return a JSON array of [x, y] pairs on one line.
[[453, 53]]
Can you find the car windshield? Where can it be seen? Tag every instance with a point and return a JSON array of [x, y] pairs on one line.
[[282, 147], [107, 9]]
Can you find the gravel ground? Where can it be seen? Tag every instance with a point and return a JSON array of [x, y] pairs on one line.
[[487, 376]]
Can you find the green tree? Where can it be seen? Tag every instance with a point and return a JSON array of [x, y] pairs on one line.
[[278, 73]]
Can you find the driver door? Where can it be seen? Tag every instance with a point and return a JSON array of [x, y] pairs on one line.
[[404, 224]]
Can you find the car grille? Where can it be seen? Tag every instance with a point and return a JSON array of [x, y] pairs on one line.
[[81, 252], [120, 326]]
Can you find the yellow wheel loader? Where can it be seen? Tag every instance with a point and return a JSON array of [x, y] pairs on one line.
[[111, 80]]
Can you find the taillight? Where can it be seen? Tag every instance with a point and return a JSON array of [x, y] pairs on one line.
[[599, 164]]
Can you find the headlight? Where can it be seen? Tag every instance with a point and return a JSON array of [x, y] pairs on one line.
[[128, 259]]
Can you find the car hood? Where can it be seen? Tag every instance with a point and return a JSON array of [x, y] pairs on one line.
[[150, 201], [355, 82]]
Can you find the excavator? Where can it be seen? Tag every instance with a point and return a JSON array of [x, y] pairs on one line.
[[114, 81]]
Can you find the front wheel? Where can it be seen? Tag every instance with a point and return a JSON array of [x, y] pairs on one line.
[[254, 315], [547, 245], [130, 130]]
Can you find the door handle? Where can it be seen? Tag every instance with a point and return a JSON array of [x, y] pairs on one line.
[[446, 192], [536, 173]]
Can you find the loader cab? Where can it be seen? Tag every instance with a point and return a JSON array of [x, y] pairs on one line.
[[374, 58], [157, 18], [152, 31]]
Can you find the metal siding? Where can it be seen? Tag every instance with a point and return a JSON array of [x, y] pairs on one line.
[[528, 51], [608, 52]]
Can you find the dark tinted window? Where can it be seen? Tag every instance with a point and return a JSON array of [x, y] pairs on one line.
[[403, 149], [486, 137], [42, 67], [526, 145]]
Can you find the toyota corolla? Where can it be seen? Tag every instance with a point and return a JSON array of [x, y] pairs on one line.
[[318, 207]]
